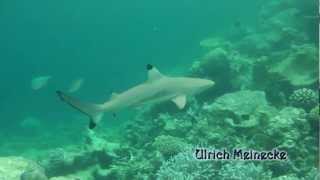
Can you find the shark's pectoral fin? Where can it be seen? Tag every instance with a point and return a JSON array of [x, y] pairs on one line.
[[180, 101]]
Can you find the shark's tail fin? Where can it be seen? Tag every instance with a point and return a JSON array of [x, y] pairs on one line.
[[94, 111]]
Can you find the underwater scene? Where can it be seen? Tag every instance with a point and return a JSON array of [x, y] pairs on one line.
[[159, 90]]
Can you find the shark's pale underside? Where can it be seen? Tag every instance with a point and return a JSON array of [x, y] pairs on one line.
[[157, 88]]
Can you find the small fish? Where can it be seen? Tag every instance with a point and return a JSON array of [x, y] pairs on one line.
[[40, 82], [76, 85]]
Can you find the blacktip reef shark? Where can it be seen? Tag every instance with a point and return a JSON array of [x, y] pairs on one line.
[[156, 89]]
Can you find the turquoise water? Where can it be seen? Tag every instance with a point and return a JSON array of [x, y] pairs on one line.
[[265, 46], [108, 43]]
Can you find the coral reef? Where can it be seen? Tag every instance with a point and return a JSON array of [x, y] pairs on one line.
[[211, 65], [245, 119], [242, 110], [169, 145], [294, 64], [265, 98], [304, 98], [242, 170], [33, 175], [289, 130], [276, 57], [236, 68], [18, 168], [185, 166], [241, 103], [96, 151]]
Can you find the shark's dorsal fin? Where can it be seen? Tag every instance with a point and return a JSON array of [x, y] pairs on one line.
[[180, 101], [114, 95], [153, 73]]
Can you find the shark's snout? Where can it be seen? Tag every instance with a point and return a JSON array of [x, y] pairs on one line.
[[204, 84], [210, 83], [207, 83]]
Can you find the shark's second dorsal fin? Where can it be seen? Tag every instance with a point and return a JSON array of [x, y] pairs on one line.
[[113, 95], [153, 73]]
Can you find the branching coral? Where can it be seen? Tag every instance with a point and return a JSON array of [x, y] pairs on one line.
[[184, 166], [290, 131], [304, 98], [169, 145], [241, 170], [286, 126], [175, 126]]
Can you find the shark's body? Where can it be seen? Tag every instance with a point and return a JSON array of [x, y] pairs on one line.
[[157, 88]]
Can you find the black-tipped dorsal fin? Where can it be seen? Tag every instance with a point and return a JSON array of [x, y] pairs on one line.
[[153, 73]]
